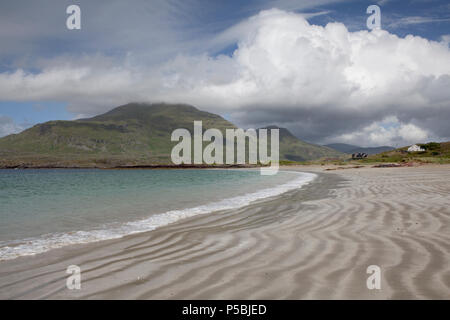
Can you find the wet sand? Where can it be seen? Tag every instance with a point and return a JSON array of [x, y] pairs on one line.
[[312, 243]]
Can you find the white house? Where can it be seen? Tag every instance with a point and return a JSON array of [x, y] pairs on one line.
[[415, 148]]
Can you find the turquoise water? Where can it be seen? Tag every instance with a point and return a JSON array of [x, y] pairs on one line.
[[44, 209]]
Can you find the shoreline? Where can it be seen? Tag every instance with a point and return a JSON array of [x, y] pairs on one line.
[[136, 167], [31, 246], [308, 166], [310, 243]]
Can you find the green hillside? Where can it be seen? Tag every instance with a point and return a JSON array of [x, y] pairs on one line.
[[135, 134], [434, 153], [348, 148], [294, 149]]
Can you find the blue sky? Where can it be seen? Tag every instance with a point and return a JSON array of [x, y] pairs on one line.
[[148, 34], [26, 113]]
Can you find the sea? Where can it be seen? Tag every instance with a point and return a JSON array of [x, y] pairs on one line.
[[44, 209]]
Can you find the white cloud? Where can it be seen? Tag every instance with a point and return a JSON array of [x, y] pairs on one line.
[[445, 39], [388, 132], [321, 82], [405, 21], [8, 126]]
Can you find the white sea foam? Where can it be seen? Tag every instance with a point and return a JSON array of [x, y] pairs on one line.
[[45, 243]]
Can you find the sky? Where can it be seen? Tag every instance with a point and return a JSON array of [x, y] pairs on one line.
[[310, 66]]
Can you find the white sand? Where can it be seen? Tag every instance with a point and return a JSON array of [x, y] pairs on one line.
[[315, 243]]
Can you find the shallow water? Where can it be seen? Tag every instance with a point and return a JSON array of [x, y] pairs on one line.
[[44, 209]]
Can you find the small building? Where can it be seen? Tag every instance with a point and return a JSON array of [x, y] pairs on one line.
[[415, 148]]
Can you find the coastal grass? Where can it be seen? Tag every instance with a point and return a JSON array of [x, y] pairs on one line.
[[434, 153]]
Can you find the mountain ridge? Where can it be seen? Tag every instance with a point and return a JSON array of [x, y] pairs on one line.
[[134, 134], [295, 149], [349, 148]]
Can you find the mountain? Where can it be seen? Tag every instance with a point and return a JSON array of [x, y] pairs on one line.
[[294, 149], [135, 134], [132, 134], [348, 148]]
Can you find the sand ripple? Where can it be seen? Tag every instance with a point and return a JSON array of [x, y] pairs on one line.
[[315, 243]]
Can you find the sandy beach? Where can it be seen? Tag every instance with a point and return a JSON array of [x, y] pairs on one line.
[[312, 243]]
